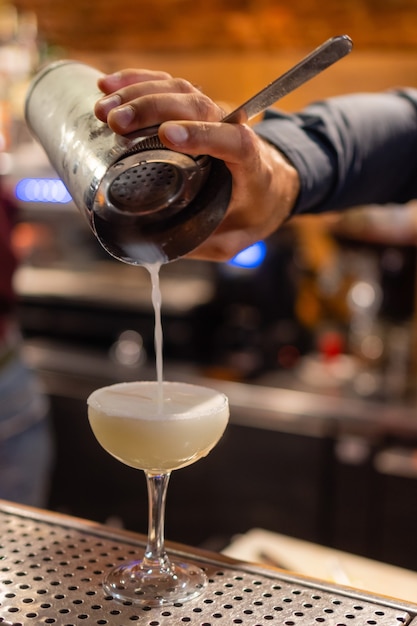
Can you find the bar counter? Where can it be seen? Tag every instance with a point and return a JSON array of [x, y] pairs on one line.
[[52, 566]]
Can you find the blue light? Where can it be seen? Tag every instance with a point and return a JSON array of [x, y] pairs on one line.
[[251, 257], [42, 190]]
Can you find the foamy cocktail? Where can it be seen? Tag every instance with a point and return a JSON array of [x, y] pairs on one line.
[[156, 434]]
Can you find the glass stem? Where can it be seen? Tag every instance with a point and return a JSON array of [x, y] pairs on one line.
[[155, 553]]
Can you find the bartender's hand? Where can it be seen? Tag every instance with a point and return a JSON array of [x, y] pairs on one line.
[[265, 186]]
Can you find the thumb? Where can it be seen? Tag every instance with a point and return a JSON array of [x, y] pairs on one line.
[[174, 134], [221, 141]]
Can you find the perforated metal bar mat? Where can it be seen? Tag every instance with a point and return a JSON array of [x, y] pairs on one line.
[[51, 568]]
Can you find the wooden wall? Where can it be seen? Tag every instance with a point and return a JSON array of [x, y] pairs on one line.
[[234, 47], [190, 25]]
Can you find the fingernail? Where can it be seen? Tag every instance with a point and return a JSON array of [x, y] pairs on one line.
[[113, 76], [175, 133], [111, 79], [110, 102], [123, 116]]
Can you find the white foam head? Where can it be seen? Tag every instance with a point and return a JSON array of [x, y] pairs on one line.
[[140, 400]]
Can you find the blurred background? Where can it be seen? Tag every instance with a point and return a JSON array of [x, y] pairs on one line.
[[250, 42], [312, 334]]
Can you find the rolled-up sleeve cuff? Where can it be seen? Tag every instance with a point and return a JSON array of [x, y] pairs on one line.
[[311, 158]]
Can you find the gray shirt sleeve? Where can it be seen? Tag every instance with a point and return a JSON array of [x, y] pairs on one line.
[[350, 150]]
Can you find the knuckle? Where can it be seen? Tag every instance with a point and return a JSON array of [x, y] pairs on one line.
[[183, 85], [250, 145], [205, 109], [247, 137]]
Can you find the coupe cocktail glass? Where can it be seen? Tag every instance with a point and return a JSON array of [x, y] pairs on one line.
[[157, 428]]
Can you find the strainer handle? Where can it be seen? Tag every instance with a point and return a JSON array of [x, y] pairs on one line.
[[320, 59]]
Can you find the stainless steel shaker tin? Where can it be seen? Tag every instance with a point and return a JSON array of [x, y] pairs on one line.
[[144, 203]]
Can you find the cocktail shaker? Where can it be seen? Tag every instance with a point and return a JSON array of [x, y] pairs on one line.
[[145, 203]]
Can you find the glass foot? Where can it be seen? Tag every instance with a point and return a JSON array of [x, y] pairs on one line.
[[150, 586]]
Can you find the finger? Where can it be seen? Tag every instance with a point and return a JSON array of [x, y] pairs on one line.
[[153, 110], [222, 141], [222, 246], [131, 93], [112, 82]]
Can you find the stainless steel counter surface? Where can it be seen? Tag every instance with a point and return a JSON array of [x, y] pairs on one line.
[[52, 567]]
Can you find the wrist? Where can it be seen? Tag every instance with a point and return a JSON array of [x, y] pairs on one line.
[[286, 186]]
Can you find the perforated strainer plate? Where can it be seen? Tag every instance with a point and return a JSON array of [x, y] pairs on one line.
[[51, 568], [145, 185]]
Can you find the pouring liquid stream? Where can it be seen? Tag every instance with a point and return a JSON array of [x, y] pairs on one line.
[[153, 269]]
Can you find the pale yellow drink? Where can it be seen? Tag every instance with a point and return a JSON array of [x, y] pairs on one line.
[[131, 423]]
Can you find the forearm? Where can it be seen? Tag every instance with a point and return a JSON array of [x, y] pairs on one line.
[[350, 150]]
